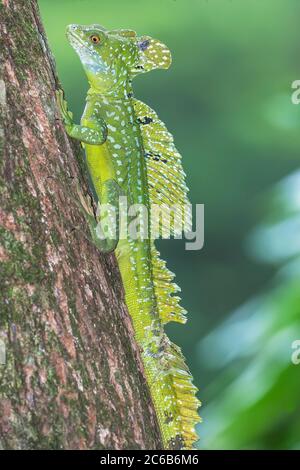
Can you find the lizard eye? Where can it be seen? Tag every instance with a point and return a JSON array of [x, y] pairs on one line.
[[95, 39]]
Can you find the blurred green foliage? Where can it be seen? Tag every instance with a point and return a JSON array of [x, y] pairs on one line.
[[227, 101], [255, 386]]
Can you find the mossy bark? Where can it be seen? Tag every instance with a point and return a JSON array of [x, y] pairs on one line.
[[73, 376]]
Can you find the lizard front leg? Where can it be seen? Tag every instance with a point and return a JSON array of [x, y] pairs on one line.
[[95, 134], [105, 230]]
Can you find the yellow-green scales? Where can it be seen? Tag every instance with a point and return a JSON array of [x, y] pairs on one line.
[[129, 152]]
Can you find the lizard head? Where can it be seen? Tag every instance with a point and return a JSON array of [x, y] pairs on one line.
[[107, 57], [111, 58]]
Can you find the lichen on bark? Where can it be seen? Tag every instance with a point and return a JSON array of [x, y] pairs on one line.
[[73, 376]]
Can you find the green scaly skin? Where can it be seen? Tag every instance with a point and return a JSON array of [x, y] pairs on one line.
[[112, 135]]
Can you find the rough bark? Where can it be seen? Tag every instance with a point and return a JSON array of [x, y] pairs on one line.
[[73, 376]]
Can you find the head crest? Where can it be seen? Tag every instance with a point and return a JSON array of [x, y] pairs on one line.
[[153, 54]]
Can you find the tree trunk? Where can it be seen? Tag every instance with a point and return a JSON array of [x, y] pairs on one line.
[[72, 376]]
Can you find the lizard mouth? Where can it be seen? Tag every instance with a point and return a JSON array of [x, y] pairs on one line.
[[77, 42]]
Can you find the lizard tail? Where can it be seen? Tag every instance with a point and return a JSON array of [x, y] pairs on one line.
[[181, 389]]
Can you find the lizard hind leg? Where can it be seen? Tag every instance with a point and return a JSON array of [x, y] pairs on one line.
[[105, 229], [109, 213]]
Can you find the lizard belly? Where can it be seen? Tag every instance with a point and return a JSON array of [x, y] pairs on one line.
[[100, 165]]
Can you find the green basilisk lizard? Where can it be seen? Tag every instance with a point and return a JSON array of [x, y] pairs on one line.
[[130, 152]]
